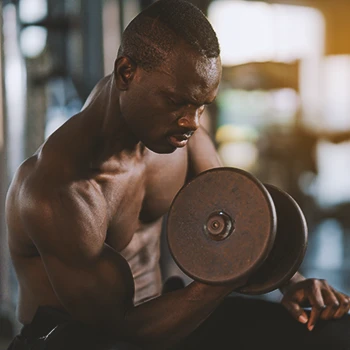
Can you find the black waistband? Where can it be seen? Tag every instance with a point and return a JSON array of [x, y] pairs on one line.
[[45, 320]]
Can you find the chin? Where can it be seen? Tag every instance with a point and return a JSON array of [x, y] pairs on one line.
[[162, 149]]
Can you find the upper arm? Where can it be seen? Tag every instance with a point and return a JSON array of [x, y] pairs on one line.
[[202, 153], [65, 222], [68, 227]]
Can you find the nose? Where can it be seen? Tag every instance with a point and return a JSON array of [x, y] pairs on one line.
[[190, 119]]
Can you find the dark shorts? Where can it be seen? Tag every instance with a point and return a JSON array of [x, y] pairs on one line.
[[239, 323], [52, 329]]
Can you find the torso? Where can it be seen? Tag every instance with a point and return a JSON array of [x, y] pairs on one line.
[[133, 231]]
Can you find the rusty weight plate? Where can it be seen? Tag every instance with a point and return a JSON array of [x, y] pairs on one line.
[[289, 248], [221, 226]]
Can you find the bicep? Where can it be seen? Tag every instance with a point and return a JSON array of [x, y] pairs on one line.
[[91, 280], [202, 153]]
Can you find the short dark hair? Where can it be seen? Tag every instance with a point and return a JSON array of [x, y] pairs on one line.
[[152, 34]]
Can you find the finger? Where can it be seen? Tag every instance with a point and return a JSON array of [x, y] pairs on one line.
[[314, 316], [332, 303], [317, 305], [344, 305], [296, 311], [348, 308]]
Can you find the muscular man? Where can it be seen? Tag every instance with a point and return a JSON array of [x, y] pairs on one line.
[[84, 213]]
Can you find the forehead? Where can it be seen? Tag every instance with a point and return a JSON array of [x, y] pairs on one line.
[[186, 72]]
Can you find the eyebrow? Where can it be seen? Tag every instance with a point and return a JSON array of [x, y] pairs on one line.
[[186, 100]]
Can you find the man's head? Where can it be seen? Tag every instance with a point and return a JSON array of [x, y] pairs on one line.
[[168, 68], [155, 33]]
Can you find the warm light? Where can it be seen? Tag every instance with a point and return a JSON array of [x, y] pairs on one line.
[[237, 145], [335, 92], [241, 155], [256, 31], [332, 183], [232, 133]]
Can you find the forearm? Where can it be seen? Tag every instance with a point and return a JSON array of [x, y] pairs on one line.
[[102, 298], [161, 322]]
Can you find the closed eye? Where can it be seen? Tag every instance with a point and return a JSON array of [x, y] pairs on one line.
[[174, 103]]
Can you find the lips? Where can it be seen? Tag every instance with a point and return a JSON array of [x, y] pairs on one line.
[[179, 140]]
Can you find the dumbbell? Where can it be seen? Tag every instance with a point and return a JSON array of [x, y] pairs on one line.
[[225, 225]]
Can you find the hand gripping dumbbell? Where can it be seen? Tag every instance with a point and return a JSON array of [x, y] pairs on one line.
[[225, 225]]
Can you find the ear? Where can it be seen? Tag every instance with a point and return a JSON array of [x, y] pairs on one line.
[[124, 72]]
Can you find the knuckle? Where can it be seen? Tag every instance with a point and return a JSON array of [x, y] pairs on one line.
[[335, 305], [345, 303], [315, 283], [319, 308]]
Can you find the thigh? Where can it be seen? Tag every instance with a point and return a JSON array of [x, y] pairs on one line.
[[241, 323], [248, 323]]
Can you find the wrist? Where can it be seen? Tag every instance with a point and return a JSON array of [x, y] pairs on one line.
[[297, 277]]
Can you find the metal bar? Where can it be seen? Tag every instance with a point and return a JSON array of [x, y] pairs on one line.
[[121, 17], [5, 286], [92, 30]]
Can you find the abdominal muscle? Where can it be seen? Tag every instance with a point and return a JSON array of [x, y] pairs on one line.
[[143, 254]]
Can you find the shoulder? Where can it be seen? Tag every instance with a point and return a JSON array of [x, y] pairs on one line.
[[19, 181], [42, 178], [47, 203]]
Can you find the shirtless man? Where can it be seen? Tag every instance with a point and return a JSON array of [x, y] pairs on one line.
[[84, 213]]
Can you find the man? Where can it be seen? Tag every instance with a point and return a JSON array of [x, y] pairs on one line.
[[84, 213]]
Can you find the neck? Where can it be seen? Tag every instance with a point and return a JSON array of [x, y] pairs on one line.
[[113, 137]]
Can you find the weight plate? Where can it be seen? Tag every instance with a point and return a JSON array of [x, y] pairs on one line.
[[289, 248], [221, 225]]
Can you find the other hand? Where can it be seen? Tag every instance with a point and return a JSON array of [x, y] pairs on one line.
[[326, 302]]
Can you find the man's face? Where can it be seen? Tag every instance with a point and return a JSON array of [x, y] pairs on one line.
[[163, 107]]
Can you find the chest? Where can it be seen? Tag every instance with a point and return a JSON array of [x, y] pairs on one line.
[[165, 175], [142, 195]]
